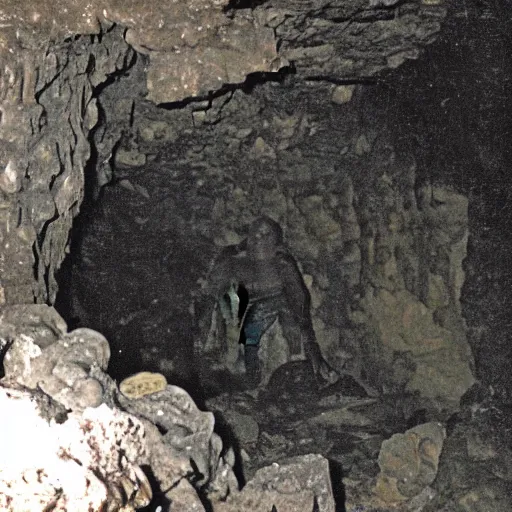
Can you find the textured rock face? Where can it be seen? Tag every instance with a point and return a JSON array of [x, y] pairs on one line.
[[204, 42], [380, 256], [48, 109], [193, 48], [48, 112], [353, 39], [301, 484], [409, 462], [78, 464], [63, 452], [65, 370]]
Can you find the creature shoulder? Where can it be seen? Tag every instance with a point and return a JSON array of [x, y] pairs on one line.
[[230, 252], [287, 264], [226, 267]]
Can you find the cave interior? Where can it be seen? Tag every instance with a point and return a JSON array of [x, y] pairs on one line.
[[392, 191], [183, 180]]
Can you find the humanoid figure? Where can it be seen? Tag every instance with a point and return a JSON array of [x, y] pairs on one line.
[[274, 288]]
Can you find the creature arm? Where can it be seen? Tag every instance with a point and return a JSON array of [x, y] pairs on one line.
[[218, 281], [221, 272], [295, 291]]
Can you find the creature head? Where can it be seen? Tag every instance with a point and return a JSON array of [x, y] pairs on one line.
[[264, 238]]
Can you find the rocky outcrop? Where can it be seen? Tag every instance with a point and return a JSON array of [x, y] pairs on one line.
[[194, 47], [84, 444], [48, 111], [409, 462], [79, 462], [354, 40], [380, 247], [300, 484], [48, 108]]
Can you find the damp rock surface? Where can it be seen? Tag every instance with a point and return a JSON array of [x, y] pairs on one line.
[[312, 113], [381, 262], [300, 484], [81, 456], [382, 462], [292, 446]]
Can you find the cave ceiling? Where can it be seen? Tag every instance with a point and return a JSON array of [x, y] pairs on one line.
[[198, 46]]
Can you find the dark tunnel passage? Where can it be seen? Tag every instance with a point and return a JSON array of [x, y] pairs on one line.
[[145, 245], [393, 200]]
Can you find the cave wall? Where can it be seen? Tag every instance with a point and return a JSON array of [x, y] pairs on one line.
[[42, 189], [399, 217], [52, 62], [380, 252], [48, 110], [54, 59], [464, 111]]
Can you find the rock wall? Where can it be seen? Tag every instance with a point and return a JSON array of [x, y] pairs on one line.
[[48, 111], [461, 104], [381, 255], [52, 62], [333, 181]]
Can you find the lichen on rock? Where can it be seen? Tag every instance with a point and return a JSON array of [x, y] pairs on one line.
[[408, 462], [142, 383]]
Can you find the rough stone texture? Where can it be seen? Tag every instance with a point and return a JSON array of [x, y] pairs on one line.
[[351, 40], [39, 321], [187, 429], [191, 49], [92, 456], [301, 484], [376, 251], [76, 454], [194, 47], [48, 109], [64, 370], [197, 46], [475, 470], [408, 462], [365, 228], [238, 49], [413, 352], [142, 383], [84, 463], [48, 112]]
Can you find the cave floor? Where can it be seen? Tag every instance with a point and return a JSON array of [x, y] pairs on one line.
[[136, 290], [290, 418]]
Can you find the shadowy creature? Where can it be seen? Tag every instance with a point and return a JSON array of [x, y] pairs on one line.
[[263, 269]]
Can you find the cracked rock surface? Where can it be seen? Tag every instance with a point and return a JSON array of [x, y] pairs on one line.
[[53, 59], [372, 132]]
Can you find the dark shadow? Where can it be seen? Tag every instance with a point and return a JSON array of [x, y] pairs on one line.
[[338, 489], [243, 4], [3, 351], [282, 76], [229, 440], [159, 499]]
